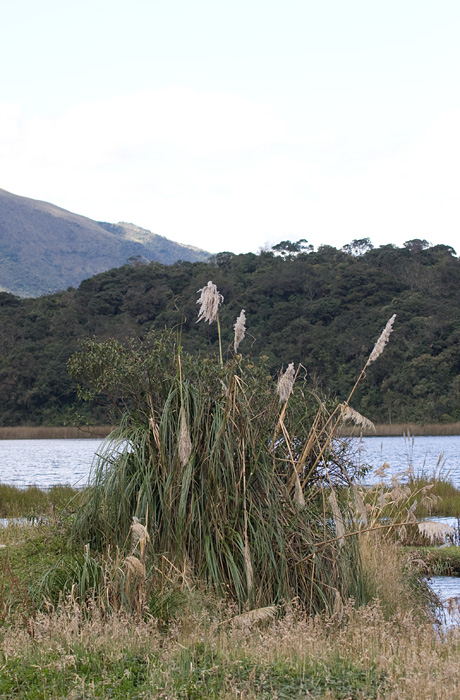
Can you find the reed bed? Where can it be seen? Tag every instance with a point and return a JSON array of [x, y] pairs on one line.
[[24, 432], [398, 429]]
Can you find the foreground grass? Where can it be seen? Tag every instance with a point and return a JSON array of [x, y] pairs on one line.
[[357, 654], [201, 648]]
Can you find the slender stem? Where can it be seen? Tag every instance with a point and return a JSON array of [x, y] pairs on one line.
[[220, 340], [324, 543]]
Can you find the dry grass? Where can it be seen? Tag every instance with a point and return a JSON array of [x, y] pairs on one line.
[[24, 432], [396, 429], [354, 654]]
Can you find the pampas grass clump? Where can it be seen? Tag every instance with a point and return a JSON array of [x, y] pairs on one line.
[[239, 490]]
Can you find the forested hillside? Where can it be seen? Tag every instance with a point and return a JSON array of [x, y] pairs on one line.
[[324, 309]]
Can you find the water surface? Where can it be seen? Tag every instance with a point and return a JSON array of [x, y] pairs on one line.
[[49, 462], [46, 462], [424, 453]]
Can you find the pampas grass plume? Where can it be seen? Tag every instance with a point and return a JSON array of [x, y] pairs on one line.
[[298, 494], [240, 329], [249, 571], [382, 341], [435, 531], [210, 300], [350, 414], [185, 445], [286, 382], [138, 533], [257, 615], [135, 566]]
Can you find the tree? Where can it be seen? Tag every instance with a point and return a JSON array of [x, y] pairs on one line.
[[359, 246], [416, 245], [288, 249]]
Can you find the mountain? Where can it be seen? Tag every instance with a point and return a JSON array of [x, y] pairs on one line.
[[44, 248]]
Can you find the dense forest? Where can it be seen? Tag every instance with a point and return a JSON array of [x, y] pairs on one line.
[[323, 309]]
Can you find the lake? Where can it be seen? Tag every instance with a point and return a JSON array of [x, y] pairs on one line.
[[48, 462], [45, 463]]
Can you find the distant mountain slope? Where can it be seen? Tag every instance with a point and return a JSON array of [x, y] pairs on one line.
[[44, 248]]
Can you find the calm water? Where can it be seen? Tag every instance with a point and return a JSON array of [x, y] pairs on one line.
[[48, 462], [424, 453], [447, 588]]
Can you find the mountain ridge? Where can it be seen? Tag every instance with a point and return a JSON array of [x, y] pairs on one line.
[[45, 248]]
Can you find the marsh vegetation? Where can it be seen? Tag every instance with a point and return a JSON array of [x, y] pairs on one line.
[[223, 547]]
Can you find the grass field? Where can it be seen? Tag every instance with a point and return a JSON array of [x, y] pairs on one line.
[[200, 647]]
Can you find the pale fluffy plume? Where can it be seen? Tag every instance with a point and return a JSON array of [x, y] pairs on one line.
[[185, 445], [134, 566], [286, 382], [381, 342], [350, 414], [210, 300], [253, 616], [138, 534], [240, 330], [298, 494], [339, 528], [435, 532]]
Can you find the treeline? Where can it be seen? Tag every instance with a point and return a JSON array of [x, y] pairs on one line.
[[323, 309]]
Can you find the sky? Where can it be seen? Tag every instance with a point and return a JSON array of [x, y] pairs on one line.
[[233, 125]]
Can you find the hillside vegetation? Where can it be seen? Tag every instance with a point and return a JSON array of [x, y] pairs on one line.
[[44, 248], [319, 309]]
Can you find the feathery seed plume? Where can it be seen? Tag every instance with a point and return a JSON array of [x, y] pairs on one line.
[[298, 493], [382, 341], [138, 533], [134, 566], [258, 615], [240, 330], [435, 531], [356, 418], [286, 382], [185, 445], [210, 300]]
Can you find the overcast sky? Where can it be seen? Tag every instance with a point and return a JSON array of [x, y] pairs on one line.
[[234, 125]]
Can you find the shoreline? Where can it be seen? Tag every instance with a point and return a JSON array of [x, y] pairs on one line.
[[42, 432], [400, 429]]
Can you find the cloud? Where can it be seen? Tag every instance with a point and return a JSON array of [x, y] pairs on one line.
[[224, 172]]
